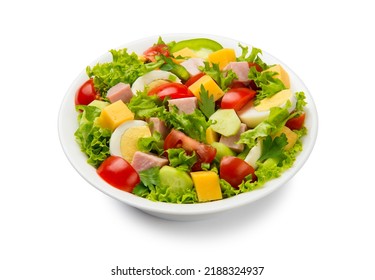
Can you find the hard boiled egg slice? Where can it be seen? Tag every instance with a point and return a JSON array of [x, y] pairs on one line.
[[141, 82], [254, 154], [124, 140], [253, 115]]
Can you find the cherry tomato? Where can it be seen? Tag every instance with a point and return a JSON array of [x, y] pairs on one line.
[[193, 79], [177, 139], [236, 98], [86, 93], [234, 170], [117, 172], [171, 90], [237, 84], [257, 66], [296, 122], [158, 49]]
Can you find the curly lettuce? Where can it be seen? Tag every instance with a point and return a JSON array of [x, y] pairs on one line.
[[124, 67], [92, 139]]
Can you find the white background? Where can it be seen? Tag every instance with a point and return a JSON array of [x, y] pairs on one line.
[[54, 225]]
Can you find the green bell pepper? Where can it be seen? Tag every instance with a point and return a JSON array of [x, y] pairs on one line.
[[197, 44]]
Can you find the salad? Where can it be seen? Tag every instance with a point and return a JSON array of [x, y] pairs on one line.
[[189, 121]]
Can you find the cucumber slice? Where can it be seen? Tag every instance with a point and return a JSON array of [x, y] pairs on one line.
[[222, 150], [176, 180], [225, 122]]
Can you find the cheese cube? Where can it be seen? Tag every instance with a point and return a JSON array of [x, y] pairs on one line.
[[222, 57], [209, 84], [281, 74], [115, 114], [211, 136], [207, 185], [185, 53], [291, 137]]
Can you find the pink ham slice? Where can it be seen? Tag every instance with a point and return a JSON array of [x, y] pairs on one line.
[[121, 91], [192, 65], [240, 68], [186, 105], [231, 141], [159, 126], [142, 161]]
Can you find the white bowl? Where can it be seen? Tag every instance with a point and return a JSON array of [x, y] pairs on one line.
[[67, 125]]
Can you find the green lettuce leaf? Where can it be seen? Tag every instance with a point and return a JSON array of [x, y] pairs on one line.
[[268, 85], [180, 159], [92, 139], [275, 121], [154, 143], [223, 79], [252, 57], [124, 67], [145, 106], [193, 125]]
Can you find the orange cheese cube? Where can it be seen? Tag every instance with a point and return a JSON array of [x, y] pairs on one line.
[[209, 84], [211, 136], [207, 185], [115, 114], [222, 57], [281, 74]]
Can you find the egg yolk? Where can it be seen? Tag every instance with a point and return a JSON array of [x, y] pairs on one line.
[[129, 141]]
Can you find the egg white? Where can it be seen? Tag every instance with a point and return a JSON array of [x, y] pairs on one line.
[[141, 82], [252, 117]]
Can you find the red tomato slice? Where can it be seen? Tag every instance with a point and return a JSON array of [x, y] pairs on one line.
[[296, 122], [234, 170], [171, 90], [159, 49], [117, 172], [236, 98], [193, 79], [177, 139], [86, 93]]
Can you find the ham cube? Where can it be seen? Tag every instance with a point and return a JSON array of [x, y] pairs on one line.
[[159, 126], [231, 141], [120, 91], [142, 161], [240, 68], [185, 105], [192, 65]]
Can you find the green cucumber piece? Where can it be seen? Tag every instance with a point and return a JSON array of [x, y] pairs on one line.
[[99, 104], [176, 180], [222, 150], [225, 122]]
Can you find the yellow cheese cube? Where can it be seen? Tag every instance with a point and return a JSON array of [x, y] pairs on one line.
[[115, 114], [211, 136], [207, 185], [209, 84], [291, 137], [185, 53], [281, 74], [222, 57]]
